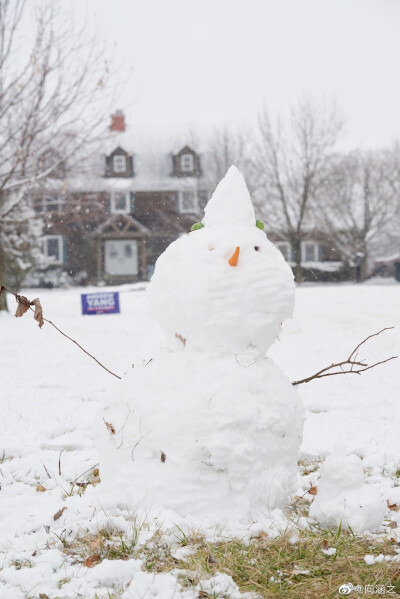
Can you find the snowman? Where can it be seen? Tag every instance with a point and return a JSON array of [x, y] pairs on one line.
[[210, 428]]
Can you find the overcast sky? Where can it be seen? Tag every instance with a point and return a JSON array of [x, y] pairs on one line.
[[197, 63]]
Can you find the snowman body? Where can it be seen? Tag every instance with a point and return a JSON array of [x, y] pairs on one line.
[[210, 428]]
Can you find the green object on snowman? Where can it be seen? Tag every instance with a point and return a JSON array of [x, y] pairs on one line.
[[259, 224], [197, 226]]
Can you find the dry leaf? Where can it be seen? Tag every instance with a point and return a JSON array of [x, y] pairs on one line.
[[163, 457], [262, 535], [23, 305], [312, 491], [393, 525], [96, 544], [325, 544], [41, 488], [393, 506], [180, 338], [43, 596], [38, 315], [110, 427], [203, 594], [91, 561], [96, 472], [60, 512]]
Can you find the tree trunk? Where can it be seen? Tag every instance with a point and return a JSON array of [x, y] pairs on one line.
[[3, 296], [297, 258], [364, 266]]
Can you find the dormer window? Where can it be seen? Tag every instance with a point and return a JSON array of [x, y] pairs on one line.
[[120, 202], [187, 163], [188, 201], [119, 164]]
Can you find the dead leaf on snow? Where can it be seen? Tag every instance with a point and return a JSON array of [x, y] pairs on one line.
[[110, 427], [91, 561], [96, 472], [163, 457], [393, 525], [393, 506], [60, 512], [38, 315], [23, 305], [95, 545], [178, 336], [312, 491], [41, 488]]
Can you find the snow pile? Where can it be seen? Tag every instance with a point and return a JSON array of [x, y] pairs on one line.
[[344, 499], [211, 430]]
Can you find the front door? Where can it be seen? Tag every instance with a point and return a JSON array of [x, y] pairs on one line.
[[121, 257]]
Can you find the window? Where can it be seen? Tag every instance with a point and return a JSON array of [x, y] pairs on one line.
[[119, 164], [187, 163], [310, 251], [188, 202], [120, 202], [48, 203], [284, 248], [52, 248]]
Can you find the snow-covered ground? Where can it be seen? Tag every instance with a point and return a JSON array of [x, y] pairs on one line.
[[49, 395]]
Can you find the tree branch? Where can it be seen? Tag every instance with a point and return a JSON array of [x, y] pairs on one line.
[[351, 362], [24, 304]]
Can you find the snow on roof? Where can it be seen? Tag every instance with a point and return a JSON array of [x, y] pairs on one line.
[[152, 165]]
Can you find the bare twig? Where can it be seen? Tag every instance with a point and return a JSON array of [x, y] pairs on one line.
[[351, 362], [47, 472], [24, 304], [59, 462]]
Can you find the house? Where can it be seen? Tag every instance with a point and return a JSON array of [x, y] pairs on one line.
[[320, 258], [109, 223]]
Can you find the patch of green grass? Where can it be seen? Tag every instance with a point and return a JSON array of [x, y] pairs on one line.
[[291, 565], [280, 567], [21, 563]]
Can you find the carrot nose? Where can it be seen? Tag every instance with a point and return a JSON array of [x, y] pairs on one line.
[[233, 260]]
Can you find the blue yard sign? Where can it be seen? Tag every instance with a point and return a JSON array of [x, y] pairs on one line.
[[100, 303]]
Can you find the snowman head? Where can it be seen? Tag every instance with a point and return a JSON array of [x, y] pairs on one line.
[[223, 288]]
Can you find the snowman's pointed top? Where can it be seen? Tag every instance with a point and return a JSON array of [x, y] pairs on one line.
[[230, 203]]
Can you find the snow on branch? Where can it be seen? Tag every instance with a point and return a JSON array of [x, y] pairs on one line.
[[24, 304], [350, 366]]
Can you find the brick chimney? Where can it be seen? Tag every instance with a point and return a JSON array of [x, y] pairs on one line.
[[117, 121]]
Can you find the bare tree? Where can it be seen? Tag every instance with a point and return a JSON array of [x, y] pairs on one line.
[[225, 147], [290, 164], [360, 203], [54, 94]]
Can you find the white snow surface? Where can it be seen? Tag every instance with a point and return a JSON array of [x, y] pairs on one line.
[[344, 499], [49, 397]]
